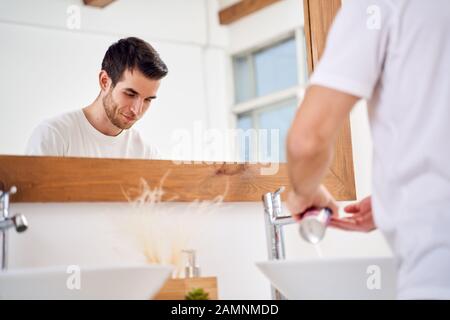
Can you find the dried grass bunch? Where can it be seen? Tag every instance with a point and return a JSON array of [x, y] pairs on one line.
[[163, 230]]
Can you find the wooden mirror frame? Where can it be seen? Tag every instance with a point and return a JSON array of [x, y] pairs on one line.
[[53, 179]]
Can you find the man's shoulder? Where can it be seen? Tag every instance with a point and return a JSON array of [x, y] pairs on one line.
[[51, 136], [63, 121]]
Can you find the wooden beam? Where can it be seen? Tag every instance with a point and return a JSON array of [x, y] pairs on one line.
[[308, 37], [98, 3], [242, 9], [55, 179], [319, 15]]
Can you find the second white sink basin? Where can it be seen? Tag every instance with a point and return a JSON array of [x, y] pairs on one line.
[[355, 278], [124, 282]]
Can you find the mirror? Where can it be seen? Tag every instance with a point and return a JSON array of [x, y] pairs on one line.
[[230, 94]]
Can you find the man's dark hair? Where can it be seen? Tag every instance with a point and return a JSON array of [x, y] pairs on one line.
[[133, 53]]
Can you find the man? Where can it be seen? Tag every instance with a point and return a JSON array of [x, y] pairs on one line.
[[129, 80], [402, 67]]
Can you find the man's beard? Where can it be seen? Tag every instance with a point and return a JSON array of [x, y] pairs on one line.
[[111, 110]]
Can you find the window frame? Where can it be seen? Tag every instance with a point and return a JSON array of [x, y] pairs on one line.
[[294, 92]]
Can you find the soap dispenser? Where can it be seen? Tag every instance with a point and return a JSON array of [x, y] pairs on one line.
[[191, 270]]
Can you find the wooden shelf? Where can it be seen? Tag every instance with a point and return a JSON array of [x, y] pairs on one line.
[[242, 9], [98, 3], [55, 179]]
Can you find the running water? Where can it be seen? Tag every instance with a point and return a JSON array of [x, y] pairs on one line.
[[318, 250]]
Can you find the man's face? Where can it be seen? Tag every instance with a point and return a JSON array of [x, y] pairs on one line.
[[127, 102]]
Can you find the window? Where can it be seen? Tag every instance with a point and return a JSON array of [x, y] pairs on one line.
[[267, 83], [277, 116]]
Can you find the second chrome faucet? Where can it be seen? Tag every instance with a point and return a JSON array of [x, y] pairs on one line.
[[18, 221]]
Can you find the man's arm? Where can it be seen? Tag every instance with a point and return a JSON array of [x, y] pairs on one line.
[[310, 144]]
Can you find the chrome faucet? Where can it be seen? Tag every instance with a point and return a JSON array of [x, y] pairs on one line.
[[18, 221], [274, 233]]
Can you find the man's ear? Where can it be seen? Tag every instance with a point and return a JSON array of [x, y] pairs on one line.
[[104, 81]]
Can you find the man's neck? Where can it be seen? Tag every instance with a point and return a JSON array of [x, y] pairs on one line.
[[96, 115]]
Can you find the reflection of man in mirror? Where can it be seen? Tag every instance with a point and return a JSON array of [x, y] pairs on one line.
[[129, 80]]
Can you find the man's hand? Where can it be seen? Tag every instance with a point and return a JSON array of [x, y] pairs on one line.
[[320, 199], [360, 220]]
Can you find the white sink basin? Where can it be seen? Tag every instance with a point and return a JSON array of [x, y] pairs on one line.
[[355, 278], [124, 282]]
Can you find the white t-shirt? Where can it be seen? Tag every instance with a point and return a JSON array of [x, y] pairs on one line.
[[72, 135], [401, 65]]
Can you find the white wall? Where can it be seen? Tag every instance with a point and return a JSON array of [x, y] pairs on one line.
[[264, 26], [87, 233]]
